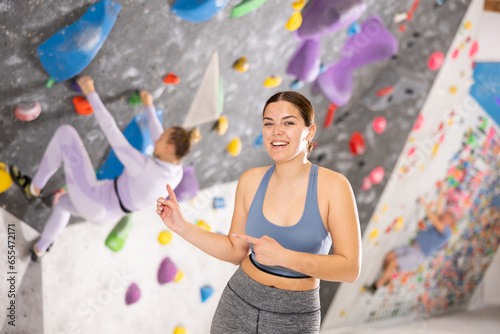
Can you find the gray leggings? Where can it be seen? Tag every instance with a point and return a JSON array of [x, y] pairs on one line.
[[246, 306]]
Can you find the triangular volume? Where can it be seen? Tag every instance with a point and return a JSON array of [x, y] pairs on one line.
[[206, 106]]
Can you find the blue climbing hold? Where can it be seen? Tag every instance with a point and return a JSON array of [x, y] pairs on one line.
[[206, 292], [353, 29], [71, 49], [297, 84], [138, 135], [219, 203], [197, 10], [259, 141]]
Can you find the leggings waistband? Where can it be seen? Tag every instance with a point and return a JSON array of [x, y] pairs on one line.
[[272, 299]]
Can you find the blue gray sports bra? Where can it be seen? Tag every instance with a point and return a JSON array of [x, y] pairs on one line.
[[308, 235]]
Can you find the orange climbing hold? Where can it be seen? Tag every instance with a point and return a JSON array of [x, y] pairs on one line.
[[385, 91], [82, 106], [412, 10], [171, 79]]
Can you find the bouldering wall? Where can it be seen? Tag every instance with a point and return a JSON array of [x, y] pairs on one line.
[[147, 42], [455, 145]]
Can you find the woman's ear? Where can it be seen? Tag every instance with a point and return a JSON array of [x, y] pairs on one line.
[[312, 132]]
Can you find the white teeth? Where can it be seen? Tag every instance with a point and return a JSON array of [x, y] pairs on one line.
[[279, 143]]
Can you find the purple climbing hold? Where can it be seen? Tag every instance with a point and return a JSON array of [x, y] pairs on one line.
[[133, 294], [76, 87], [167, 271], [305, 63], [188, 187], [373, 43], [322, 17]]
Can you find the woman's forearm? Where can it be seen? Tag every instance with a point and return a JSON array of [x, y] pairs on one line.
[[334, 267], [214, 244]]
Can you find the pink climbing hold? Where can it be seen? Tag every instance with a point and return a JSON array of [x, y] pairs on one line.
[[455, 53], [377, 175], [167, 271], [474, 48], [435, 60], [133, 294], [367, 183], [418, 123], [379, 124], [29, 112]]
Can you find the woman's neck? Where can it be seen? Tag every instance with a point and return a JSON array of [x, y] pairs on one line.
[[293, 169]]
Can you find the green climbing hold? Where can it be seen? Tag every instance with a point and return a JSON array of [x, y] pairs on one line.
[[245, 7], [135, 100], [117, 237], [50, 82]]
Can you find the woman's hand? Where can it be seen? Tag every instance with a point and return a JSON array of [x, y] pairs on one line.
[[146, 98], [267, 250], [86, 84], [170, 211]]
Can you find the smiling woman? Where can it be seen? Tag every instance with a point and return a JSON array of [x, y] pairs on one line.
[[285, 219]]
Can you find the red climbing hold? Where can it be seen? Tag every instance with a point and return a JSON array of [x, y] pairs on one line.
[[329, 115], [171, 79], [82, 106], [357, 144]]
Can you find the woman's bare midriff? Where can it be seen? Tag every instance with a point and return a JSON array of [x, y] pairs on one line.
[[294, 284]]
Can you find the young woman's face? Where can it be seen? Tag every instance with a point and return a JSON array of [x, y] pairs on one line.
[[284, 131]]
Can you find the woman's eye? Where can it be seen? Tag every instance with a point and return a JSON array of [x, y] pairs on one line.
[[289, 123], [268, 124]]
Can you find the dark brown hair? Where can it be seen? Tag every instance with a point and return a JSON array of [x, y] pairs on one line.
[[182, 139], [300, 102]]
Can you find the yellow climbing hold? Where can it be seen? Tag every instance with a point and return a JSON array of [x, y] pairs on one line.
[[204, 225], [180, 330], [384, 208], [234, 147], [421, 167], [342, 313], [179, 276], [373, 235], [272, 82], [376, 218], [241, 65], [221, 126], [298, 5], [435, 149], [467, 25], [165, 237], [399, 223], [294, 22], [453, 90], [5, 179]]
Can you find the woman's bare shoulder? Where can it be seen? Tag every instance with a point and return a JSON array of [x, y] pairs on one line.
[[253, 175], [329, 179]]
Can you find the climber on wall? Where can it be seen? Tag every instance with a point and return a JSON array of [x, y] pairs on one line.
[[104, 201]]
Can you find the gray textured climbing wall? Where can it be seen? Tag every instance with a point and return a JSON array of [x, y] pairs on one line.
[[147, 42]]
